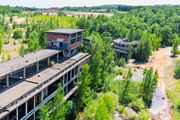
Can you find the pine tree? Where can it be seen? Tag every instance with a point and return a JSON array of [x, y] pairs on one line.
[[1, 41], [22, 51], [148, 85], [125, 91], [144, 49], [56, 109], [84, 95], [175, 47]]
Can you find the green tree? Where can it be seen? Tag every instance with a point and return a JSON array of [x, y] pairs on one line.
[[18, 34], [102, 112], [155, 41], [22, 51], [166, 34], [11, 19], [107, 56], [144, 49], [148, 85], [177, 69], [1, 41], [56, 109], [126, 88], [33, 42], [130, 52], [175, 47], [96, 61], [84, 93]]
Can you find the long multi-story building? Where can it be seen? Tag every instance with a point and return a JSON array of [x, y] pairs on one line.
[[32, 80]]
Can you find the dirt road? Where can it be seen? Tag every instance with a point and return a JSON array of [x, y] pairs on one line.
[[160, 109]]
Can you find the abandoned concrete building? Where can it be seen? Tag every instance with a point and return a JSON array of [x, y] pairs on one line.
[[32, 80], [121, 46]]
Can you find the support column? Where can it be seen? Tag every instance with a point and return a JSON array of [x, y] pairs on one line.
[[37, 66], [71, 75], [17, 115], [24, 73], [57, 57], [34, 102], [67, 89], [63, 84], [42, 95], [7, 80], [48, 61], [26, 106]]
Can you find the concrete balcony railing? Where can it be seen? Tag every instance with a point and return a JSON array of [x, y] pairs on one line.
[[56, 76]]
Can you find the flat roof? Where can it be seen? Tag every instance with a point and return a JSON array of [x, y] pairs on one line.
[[65, 31], [125, 41], [28, 59], [14, 93]]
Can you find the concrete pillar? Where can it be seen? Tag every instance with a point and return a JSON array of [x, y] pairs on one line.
[[26, 106], [57, 57], [71, 75], [17, 115], [42, 95], [34, 116], [34, 102], [48, 62], [63, 85], [37, 66], [66, 89], [24, 73], [74, 72], [7, 80]]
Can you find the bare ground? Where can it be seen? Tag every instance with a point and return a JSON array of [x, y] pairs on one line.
[[161, 61]]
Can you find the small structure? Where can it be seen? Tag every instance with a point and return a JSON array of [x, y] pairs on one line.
[[68, 40], [121, 46]]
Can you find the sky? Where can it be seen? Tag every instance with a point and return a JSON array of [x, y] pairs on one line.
[[62, 3]]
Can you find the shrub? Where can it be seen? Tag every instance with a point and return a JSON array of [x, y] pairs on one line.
[[177, 69], [18, 34], [144, 115], [178, 105], [137, 105], [121, 62]]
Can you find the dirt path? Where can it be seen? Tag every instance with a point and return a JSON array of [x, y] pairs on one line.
[[160, 109]]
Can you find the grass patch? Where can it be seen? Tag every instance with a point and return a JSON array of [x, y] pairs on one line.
[[174, 97]]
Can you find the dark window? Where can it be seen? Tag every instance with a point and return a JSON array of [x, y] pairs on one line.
[[38, 99], [30, 104], [31, 117], [22, 111], [12, 115], [60, 44], [5, 118]]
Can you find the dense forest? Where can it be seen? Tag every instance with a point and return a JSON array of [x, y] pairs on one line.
[[98, 96]]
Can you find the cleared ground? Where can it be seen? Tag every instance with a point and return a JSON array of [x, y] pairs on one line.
[[163, 63]]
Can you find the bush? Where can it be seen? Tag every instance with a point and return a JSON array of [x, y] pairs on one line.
[[144, 115], [120, 71], [18, 34], [137, 105], [178, 105], [121, 62], [177, 69]]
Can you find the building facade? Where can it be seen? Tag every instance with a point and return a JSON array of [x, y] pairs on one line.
[[30, 81], [121, 46], [68, 40]]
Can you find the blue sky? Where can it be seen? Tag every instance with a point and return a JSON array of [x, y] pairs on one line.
[[62, 3]]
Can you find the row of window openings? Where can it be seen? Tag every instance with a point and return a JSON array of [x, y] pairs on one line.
[[117, 45], [18, 76], [38, 98], [75, 40]]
